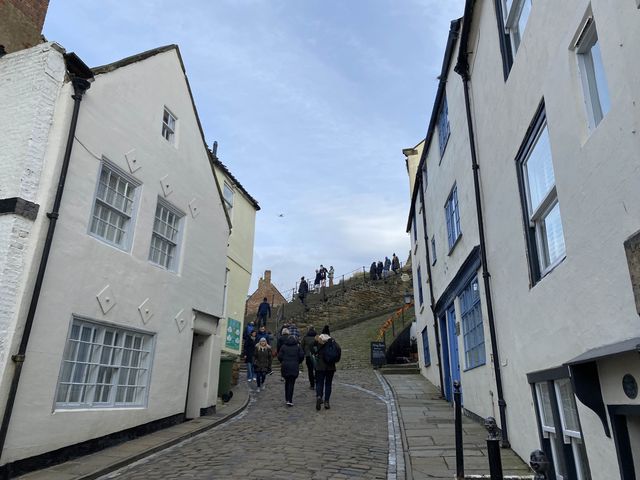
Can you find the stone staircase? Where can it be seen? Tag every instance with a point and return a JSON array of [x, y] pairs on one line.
[[400, 369]]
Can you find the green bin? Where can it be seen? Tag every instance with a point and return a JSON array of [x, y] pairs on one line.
[[224, 381]]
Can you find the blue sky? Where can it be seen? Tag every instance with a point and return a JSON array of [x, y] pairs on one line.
[[311, 102]]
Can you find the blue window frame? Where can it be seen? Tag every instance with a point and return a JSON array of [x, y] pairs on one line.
[[433, 251], [452, 213], [472, 328], [425, 347], [420, 298], [443, 126]]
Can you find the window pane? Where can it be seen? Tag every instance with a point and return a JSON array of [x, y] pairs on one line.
[[545, 404], [601, 80], [553, 235], [568, 405], [524, 17], [540, 170]]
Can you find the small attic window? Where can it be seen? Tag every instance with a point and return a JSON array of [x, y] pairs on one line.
[[169, 126]]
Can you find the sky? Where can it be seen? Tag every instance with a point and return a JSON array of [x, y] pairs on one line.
[[311, 103]]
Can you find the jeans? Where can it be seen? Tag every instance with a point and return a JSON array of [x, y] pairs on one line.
[[311, 370], [324, 379], [289, 383], [250, 374], [262, 321], [260, 378]]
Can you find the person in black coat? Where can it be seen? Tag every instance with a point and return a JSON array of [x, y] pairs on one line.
[[290, 356], [249, 351]]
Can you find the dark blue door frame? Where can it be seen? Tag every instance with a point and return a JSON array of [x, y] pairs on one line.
[[446, 371]]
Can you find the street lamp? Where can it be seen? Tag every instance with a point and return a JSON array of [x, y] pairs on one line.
[[408, 297]]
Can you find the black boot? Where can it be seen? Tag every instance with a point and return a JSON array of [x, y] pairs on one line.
[[318, 403], [326, 405]]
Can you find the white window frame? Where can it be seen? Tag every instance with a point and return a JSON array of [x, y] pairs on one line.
[[169, 126], [228, 196], [452, 217], [104, 365], [174, 244], [594, 93], [103, 204], [539, 214], [513, 10]]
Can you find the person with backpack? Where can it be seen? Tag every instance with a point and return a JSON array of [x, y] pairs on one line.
[[328, 353]]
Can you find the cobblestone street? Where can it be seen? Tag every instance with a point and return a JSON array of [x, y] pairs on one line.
[[272, 441]]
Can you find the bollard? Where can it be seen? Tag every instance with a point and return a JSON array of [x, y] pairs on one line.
[[540, 464], [457, 396], [493, 449]]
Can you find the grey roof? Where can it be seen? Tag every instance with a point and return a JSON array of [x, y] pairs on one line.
[[618, 348]]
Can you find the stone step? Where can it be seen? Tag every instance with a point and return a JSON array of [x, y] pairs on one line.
[[400, 369]]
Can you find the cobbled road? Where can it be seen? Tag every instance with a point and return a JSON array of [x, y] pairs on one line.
[[272, 441]]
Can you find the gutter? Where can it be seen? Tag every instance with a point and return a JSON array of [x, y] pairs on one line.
[[462, 69], [80, 75]]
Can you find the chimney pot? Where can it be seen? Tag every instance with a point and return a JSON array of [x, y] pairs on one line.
[[267, 277]]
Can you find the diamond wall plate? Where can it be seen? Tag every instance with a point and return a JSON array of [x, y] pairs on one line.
[[167, 186], [132, 160], [146, 311], [181, 320], [106, 299], [194, 207]]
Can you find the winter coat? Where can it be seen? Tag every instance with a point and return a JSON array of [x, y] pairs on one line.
[[320, 363], [294, 332], [281, 340], [249, 349], [395, 263], [290, 356], [264, 309], [387, 263], [262, 358], [379, 268], [264, 335], [308, 341], [303, 289]]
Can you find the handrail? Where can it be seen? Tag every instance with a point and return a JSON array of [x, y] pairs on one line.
[[389, 322]]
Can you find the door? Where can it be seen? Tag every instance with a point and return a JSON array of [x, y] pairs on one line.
[[446, 370]]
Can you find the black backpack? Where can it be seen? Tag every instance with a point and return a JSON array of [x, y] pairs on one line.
[[331, 352]]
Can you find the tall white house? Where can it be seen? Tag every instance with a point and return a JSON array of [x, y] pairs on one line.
[[525, 216], [113, 247]]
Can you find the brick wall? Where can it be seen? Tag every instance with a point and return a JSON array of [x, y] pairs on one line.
[[265, 289], [31, 81], [21, 23]]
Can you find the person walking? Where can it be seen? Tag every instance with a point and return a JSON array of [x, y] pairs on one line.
[[294, 331], [373, 271], [263, 333], [290, 356], [262, 362], [331, 276], [379, 268], [323, 276], [263, 310], [386, 267], [316, 282], [328, 353], [308, 342], [249, 353], [395, 264], [303, 289]]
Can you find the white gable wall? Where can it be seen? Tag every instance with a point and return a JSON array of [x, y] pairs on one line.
[[121, 112]]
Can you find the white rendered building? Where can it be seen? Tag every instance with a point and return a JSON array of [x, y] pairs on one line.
[[134, 282], [548, 91]]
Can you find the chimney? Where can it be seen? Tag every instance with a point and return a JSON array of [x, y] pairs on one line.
[[267, 277], [214, 149]]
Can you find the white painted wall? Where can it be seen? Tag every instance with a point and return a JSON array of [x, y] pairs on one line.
[[123, 111], [587, 300]]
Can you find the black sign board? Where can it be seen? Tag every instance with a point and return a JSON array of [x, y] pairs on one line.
[[378, 355]]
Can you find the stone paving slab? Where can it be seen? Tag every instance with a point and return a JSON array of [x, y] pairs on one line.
[[429, 434]]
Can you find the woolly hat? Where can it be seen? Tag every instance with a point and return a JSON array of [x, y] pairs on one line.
[[285, 331], [325, 330], [324, 338]]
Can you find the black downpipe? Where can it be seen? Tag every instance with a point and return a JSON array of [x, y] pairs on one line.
[[431, 296], [80, 86], [485, 268]]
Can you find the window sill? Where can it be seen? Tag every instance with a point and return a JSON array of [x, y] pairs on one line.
[[475, 366], [549, 269]]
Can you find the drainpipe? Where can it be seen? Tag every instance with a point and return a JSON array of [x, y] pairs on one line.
[[431, 296], [80, 86], [462, 69]]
